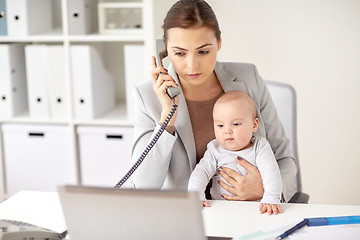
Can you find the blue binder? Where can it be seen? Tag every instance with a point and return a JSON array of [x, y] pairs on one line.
[[3, 23]]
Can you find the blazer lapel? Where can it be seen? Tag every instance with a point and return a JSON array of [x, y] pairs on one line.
[[228, 79]]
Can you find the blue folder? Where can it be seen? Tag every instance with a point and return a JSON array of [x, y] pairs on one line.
[[313, 222], [3, 23]]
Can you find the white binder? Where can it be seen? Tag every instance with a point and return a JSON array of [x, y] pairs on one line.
[[82, 16], [36, 74], [135, 72], [56, 77], [93, 87], [28, 17], [3, 13], [13, 90]]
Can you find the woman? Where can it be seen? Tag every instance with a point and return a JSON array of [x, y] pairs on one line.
[[193, 38]]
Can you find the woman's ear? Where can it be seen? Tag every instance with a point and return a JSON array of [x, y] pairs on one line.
[[219, 43], [255, 124]]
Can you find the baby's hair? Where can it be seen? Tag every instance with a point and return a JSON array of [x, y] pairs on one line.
[[238, 95]]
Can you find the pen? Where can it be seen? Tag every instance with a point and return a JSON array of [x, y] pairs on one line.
[[293, 229]]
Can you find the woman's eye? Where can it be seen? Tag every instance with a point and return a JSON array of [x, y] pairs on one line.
[[203, 52], [179, 53]]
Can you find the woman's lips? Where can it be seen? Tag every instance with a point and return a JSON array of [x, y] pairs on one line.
[[195, 75]]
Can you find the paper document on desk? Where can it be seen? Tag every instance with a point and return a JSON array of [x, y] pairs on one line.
[[349, 232], [269, 232], [330, 232]]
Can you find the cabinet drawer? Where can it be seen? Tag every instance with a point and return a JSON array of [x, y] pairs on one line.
[[37, 157], [105, 154]]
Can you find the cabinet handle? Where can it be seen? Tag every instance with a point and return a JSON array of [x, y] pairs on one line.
[[36, 134], [2, 14], [16, 17], [108, 136]]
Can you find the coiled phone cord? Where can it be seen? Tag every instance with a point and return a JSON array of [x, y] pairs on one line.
[[149, 146], [142, 156]]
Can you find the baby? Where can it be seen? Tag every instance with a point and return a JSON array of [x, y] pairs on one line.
[[235, 122]]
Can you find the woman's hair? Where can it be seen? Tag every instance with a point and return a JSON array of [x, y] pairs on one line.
[[191, 13]]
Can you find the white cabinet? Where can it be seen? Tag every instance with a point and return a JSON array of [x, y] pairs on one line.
[[104, 154], [37, 157], [73, 24]]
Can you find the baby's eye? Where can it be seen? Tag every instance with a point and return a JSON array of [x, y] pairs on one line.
[[220, 125], [237, 124]]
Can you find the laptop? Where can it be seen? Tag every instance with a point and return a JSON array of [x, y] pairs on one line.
[[109, 213]]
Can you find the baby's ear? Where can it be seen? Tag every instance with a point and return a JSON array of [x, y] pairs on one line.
[[255, 124]]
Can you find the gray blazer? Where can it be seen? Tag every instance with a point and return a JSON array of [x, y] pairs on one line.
[[173, 158]]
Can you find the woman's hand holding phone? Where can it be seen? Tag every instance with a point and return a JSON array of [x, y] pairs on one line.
[[161, 81]]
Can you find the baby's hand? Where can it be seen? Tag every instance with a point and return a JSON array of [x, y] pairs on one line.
[[206, 204], [270, 208]]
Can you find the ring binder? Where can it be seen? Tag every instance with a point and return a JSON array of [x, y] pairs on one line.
[[28, 17], [13, 87], [93, 86], [81, 15], [3, 21]]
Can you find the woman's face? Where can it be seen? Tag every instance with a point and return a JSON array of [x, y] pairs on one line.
[[193, 54]]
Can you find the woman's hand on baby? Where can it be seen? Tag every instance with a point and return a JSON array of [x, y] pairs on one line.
[[270, 208], [244, 188]]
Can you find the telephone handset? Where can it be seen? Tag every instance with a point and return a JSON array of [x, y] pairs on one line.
[[12, 230], [161, 53]]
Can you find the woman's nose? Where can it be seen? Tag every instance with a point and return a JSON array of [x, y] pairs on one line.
[[192, 62]]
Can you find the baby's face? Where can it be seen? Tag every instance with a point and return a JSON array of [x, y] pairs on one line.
[[234, 124]]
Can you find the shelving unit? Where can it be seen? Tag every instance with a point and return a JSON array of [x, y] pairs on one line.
[[112, 53]]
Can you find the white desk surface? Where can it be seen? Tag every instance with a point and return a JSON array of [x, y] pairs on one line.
[[223, 218]]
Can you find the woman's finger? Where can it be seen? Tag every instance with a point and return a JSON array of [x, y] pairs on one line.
[[230, 175], [245, 164], [231, 197], [226, 186], [153, 62], [156, 71]]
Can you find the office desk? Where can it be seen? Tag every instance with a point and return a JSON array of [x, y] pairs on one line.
[[230, 218], [223, 218]]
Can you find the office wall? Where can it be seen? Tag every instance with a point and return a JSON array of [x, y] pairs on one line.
[[315, 46]]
